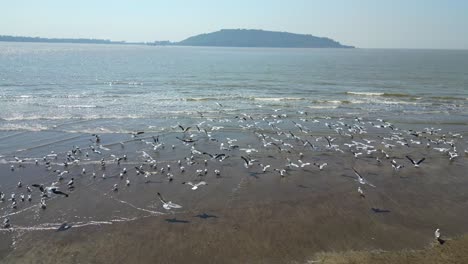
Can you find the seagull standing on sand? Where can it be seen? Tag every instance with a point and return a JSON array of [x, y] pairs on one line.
[[437, 236]]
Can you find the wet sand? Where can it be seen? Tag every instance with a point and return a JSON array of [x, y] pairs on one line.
[[243, 215]]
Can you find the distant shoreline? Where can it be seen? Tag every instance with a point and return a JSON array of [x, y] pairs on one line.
[[239, 38]]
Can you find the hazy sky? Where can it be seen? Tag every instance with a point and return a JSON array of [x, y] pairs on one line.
[[362, 23]]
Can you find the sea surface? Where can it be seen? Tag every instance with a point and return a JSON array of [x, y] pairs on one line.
[[117, 88]]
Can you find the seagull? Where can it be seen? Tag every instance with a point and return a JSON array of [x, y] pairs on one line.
[[248, 162], [361, 180], [187, 140], [43, 204], [127, 182], [264, 168], [184, 129], [416, 164], [452, 155], [396, 166], [70, 183], [6, 223], [437, 236], [303, 164], [195, 186], [135, 134], [168, 205], [49, 190], [64, 227], [361, 193], [321, 166], [282, 172], [115, 187]]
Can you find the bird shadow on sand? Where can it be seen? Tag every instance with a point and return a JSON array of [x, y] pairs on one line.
[[348, 176], [205, 216], [148, 182], [254, 174], [379, 211], [176, 221], [303, 186]]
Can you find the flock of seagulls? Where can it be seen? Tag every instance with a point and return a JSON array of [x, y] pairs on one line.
[[278, 136]]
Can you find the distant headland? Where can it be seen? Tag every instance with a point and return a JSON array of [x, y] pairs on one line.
[[221, 38]]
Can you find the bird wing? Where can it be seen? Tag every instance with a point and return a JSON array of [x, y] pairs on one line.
[[420, 161], [247, 162], [219, 156], [206, 153], [41, 188], [202, 183], [357, 173], [173, 205], [410, 159], [161, 198]]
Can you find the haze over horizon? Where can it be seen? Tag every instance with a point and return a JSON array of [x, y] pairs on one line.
[[365, 24]]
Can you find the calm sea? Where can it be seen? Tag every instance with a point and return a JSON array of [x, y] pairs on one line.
[[116, 88]]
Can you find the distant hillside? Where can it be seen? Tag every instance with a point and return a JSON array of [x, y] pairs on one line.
[[61, 40], [259, 38]]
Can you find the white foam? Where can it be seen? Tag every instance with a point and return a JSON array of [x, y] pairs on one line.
[[277, 99], [366, 93], [77, 106]]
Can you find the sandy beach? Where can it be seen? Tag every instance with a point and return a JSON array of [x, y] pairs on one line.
[[243, 215]]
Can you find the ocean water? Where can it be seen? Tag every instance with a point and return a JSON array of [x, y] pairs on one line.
[[125, 88]]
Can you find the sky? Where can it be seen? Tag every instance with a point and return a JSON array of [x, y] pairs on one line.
[[433, 24]]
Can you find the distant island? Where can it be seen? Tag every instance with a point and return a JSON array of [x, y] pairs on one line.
[[256, 38], [221, 38]]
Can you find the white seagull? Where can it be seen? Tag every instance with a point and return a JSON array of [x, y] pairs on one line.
[[168, 205], [361, 180], [195, 186]]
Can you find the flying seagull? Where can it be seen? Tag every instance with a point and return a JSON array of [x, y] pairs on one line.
[[321, 166], [184, 129], [247, 162], [195, 186], [134, 134], [168, 205], [416, 164], [49, 190], [361, 180]]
